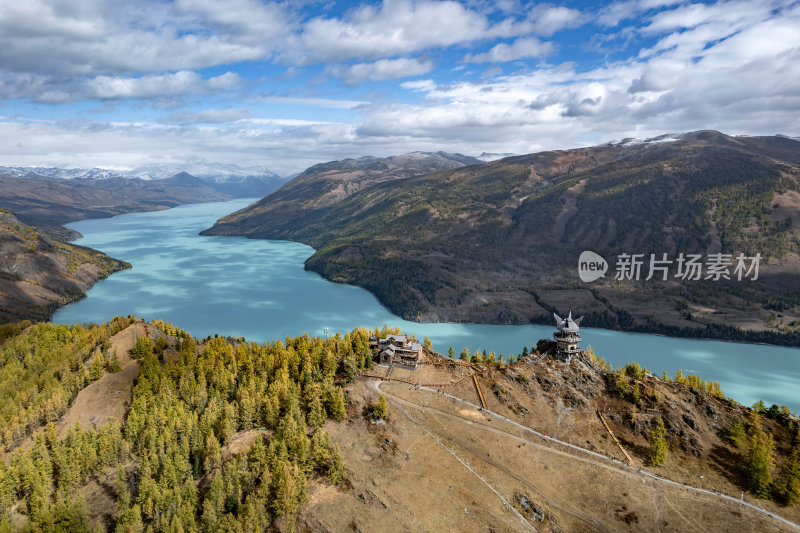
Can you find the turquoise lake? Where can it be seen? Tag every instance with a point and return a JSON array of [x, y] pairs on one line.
[[258, 289]]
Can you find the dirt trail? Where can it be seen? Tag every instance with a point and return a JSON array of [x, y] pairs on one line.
[[110, 395], [570, 197], [107, 397], [598, 459]]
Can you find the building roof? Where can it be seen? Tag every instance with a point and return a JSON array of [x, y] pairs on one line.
[[567, 325]]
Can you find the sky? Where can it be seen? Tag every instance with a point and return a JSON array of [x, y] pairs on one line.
[[284, 85]]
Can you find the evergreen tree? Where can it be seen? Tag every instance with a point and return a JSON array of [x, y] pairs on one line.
[[451, 353], [211, 456], [316, 412], [336, 404], [96, 369], [288, 491], [759, 459], [635, 394], [381, 410], [657, 454], [736, 433], [336, 471], [789, 481], [113, 365]]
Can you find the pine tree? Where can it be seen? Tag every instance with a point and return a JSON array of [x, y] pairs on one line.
[[658, 444], [789, 481], [288, 491], [451, 353], [464, 355], [316, 412], [211, 456], [381, 410], [336, 471], [635, 395], [113, 365], [759, 459], [736, 434], [336, 403], [96, 369]]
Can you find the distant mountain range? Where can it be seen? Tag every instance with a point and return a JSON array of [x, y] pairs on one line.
[[499, 242], [47, 203], [229, 179]]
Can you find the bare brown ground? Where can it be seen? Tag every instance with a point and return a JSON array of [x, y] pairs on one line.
[[439, 465], [107, 397], [570, 197]]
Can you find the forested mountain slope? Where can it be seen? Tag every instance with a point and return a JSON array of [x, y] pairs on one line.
[[224, 435], [499, 242], [39, 274]]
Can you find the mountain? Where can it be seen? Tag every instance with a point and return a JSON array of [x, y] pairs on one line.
[[236, 181], [233, 180], [149, 429], [492, 156], [49, 203], [39, 274], [327, 184], [499, 242], [60, 173]]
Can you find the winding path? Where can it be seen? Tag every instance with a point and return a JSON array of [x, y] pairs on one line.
[[621, 465]]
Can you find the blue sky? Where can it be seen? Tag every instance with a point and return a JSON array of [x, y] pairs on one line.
[[286, 85]]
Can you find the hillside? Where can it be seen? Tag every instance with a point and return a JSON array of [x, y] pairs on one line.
[[499, 242], [49, 203], [321, 187], [39, 274], [194, 435]]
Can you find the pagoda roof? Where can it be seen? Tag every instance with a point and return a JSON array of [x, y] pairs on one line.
[[567, 325]]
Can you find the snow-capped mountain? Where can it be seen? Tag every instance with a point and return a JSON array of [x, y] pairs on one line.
[[60, 173], [666, 138], [229, 179], [493, 156], [216, 172]]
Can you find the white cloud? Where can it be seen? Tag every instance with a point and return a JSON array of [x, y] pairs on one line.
[[310, 101], [395, 27], [733, 75], [383, 69], [548, 19], [208, 116], [614, 13], [150, 86], [731, 65], [250, 20], [63, 38], [520, 49]]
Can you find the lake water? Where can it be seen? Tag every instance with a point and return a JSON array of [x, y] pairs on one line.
[[259, 290]]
